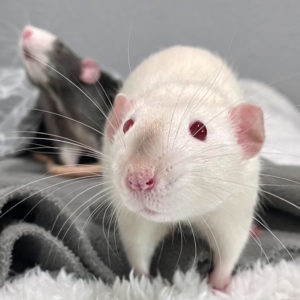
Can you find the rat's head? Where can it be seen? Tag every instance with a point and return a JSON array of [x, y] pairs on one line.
[[171, 162], [45, 56]]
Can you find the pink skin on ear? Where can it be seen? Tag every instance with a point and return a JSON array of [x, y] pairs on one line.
[[121, 107], [248, 122], [90, 71]]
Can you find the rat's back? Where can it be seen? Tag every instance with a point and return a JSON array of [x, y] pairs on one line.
[[182, 64]]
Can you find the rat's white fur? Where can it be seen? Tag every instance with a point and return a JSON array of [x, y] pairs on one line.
[[204, 184]]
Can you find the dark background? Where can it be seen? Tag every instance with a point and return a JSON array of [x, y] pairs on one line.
[[260, 39]]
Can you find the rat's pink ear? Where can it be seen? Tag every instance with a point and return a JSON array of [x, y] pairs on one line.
[[248, 122], [121, 107], [89, 71]]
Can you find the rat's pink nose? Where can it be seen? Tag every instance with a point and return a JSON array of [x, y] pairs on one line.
[[140, 178], [27, 32]]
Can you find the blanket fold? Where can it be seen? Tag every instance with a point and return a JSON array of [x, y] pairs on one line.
[[52, 235]]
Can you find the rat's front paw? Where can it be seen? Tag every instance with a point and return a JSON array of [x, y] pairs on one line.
[[219, 281], [141, 274], [255, 231]]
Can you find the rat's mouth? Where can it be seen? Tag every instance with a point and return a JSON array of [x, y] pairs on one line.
[[139, 206], [155, 216], [27, 54], [150, 212]]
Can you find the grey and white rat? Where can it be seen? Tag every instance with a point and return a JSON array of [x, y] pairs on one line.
[[59, 74], [183, 148]]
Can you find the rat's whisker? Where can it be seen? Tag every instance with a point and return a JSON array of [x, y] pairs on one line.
[[256, 240], [70, 182], [92, 200], [87, 115], [69, 219], [35, 147], [181, 243], [56, 151], [60, 139], [203, 98], [252, 187], [128, 48], [106, 236], [201, 87], [172, 118], [69, 118], [12, 27], [111, 110], [195, 242], [32, 183], [41, 149], [76, 210], [112, 218], [64, 141], [119, 208], [279, 177], [238, 172], [275, 237], [3, 214], [75, 85]]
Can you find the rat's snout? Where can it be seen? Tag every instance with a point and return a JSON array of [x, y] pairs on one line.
[[27, 33], [36, 42], [140, 177]]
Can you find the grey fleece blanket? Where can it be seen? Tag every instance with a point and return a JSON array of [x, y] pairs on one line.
[[46, 221], [53, 222]]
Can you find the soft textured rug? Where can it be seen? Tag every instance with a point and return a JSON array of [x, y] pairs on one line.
[[263, 282]]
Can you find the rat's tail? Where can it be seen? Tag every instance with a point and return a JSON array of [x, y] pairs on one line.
[[68, 171]]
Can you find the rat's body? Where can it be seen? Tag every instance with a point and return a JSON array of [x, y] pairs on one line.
[[163, 172], [70, 115]]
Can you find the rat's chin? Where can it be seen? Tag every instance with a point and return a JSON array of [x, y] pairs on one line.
[[155, 216], [148, 212]]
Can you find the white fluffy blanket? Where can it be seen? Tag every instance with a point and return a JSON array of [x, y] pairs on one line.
[[275, 282]]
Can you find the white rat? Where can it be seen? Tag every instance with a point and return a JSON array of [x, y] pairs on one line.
[[182, 147]]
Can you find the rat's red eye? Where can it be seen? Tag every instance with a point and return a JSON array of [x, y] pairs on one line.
[[127, 125], [198, 130]]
